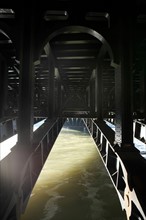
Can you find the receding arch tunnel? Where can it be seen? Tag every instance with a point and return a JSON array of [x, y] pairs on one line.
[[63, 60], [78, 51]]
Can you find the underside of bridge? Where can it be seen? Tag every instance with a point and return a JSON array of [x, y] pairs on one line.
[[64, 58]]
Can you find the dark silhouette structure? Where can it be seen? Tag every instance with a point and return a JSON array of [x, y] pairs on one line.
[[62, 59]]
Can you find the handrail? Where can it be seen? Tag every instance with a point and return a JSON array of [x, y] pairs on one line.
[[116, 163], [140, 122], [24, 169]]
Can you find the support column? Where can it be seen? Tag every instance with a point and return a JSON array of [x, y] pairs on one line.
[[59, 97], [3, 86], [95, 71], [99, 90], [88, 97], [25, 128], [51, 90], [57, 82], [123, 85], [92, 96], [9, 128], [55, 96], [143, 89]]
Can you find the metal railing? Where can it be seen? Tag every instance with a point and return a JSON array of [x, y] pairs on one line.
[[115, 161], [20, 169], [140, 130]]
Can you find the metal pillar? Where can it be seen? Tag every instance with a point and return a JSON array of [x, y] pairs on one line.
[[57, 90], [59, 97], [99, 90], [123, 84], [92, 96], [25, 128], [51, 90], [143, 89]]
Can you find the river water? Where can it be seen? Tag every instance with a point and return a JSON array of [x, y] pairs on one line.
[[74, 184]]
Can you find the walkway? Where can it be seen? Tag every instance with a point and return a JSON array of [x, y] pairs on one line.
[[74, 184]]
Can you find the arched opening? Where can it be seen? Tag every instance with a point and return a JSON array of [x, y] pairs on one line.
[[76, 52]]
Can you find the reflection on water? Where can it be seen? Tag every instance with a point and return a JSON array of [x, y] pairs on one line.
[[74, 183]]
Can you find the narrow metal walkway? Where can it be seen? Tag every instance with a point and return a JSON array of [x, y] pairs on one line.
[[74, 183]]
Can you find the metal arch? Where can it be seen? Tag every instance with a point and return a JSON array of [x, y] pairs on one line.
[[82, 29]]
